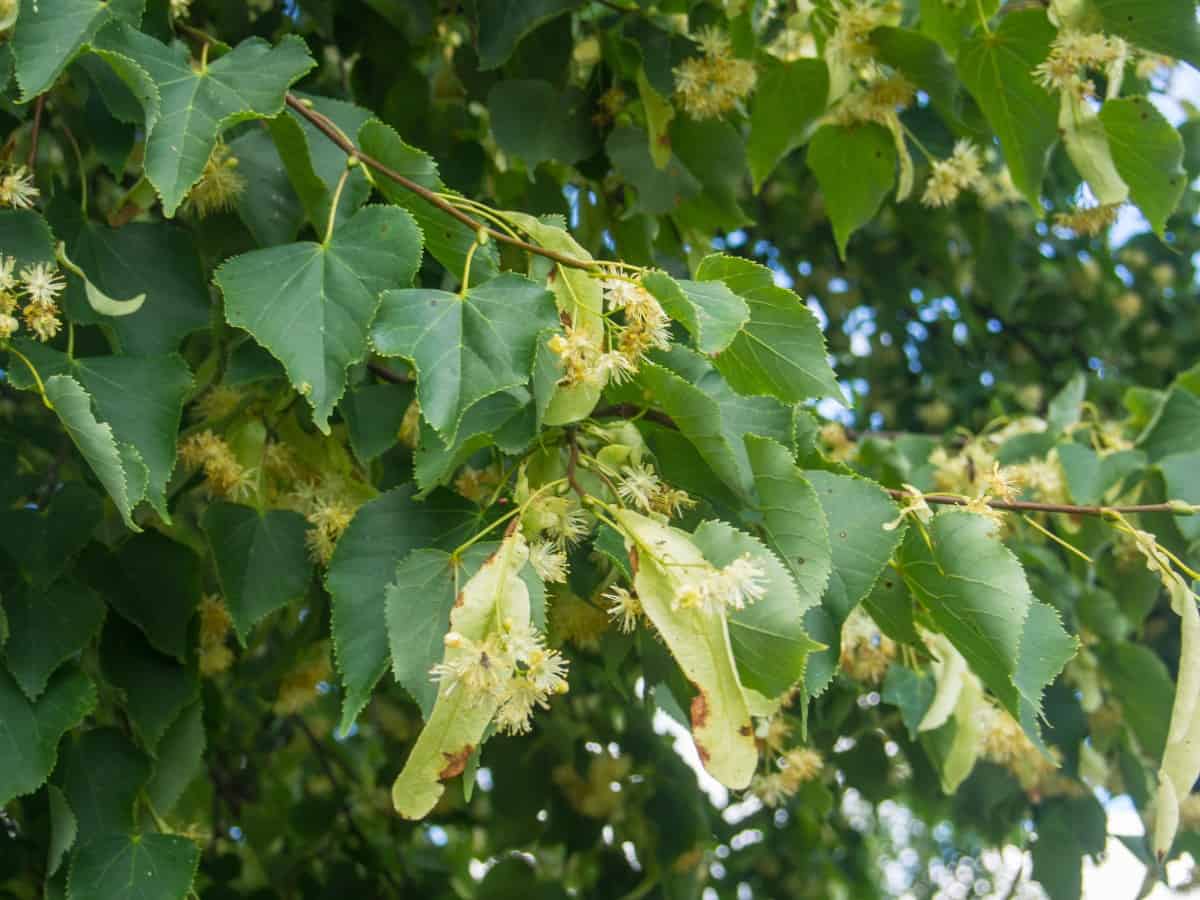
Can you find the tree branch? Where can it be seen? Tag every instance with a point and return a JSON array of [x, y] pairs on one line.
[[327, 128], [1033, 506], [628, 411]]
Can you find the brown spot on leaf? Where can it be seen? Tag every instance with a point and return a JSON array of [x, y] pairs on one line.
[[458, 601], [745, 730], [633, 560], [704, 757], [664, 140], [455, 762], [699, 710]]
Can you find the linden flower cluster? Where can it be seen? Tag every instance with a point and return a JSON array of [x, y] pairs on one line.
[[325, 507], [639, 486], [646, 327], [1088, 220], [1005, 743], [797, 766], [39, 286], [712, 590], [220, 183], [17, 190], [299, 687], [559, 518], [223, 474], [511, 665], [952, 176], [866, 651], [624, 608], [711, 85], [214, 656], [1072, 54]]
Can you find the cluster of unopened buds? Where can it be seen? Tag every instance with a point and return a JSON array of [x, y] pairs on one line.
[[37, 287], [512, 666]]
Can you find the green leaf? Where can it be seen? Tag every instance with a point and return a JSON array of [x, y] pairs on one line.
[[1045, 650], [261, 558], [447, 240], [780, 351], [787, 101], [268, 205], [793, 521], [535, 122], [700, 643], [715, 153], [118, 471], [150, 427], [419, 603], [374, 414], [383, 533], [63, 829], [311, 304], [909, 691], [506, 420], [659, 113], [29, 732], [494, 597], [503, 24], [43, 544], [156, 687], [1090, 476], [996, 68], [922, 62], [1174, 428], [180, 758], [314, 164], [855, 167], [767, 638], [49, 34], [1148, 153], [46, 628], [464, 348], [1167, 27], [855, 511], [101, 774], [891, 607], [1067, 829], [710, 311], [1142, 685], [948, 22], [134, 867], [161, 592], [659, 191], [196, 104], [975, 592], [157, 259], [712, 418], [26, 237], [1179, 475]]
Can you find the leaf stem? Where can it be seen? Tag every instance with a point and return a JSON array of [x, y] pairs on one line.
[[982, 18], [504, 518], [333, 205], [36, 377], [466, 275], [327, 128], [83, 186]]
